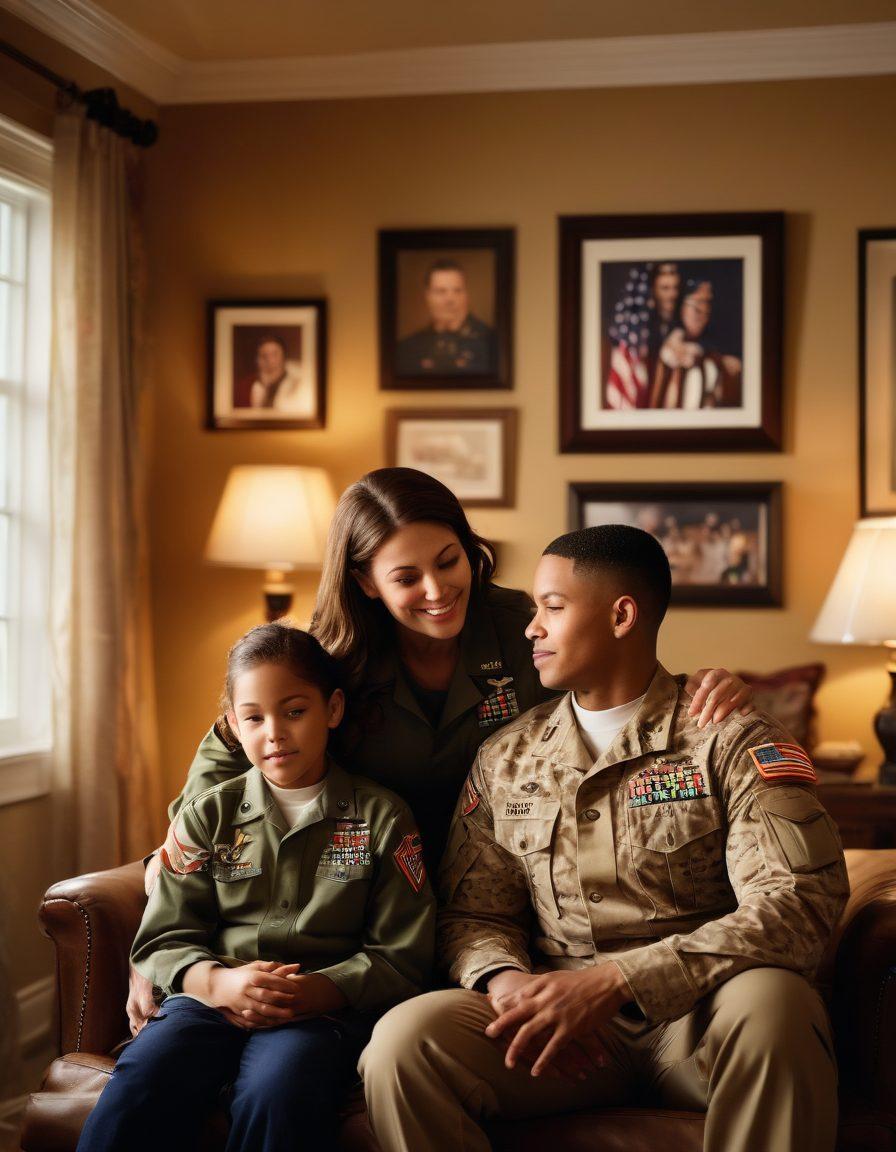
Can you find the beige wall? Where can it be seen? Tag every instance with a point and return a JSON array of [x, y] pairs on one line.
[[286, 200]]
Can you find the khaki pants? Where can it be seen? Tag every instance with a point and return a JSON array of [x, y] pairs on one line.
[[756, 1055]]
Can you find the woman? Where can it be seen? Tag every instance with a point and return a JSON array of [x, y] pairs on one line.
[[436, 654]]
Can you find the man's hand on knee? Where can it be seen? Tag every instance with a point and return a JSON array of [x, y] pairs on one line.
[[550, 1011], [141, 1005]]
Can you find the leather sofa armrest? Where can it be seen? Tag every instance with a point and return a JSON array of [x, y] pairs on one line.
[[863, 975], [92, 921]]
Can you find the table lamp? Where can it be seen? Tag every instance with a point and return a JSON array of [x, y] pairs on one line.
[[273, 517], [861, 609]]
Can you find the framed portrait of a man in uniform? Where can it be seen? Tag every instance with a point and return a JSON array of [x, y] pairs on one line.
[[267, 363], [445, 308], [670, 333]]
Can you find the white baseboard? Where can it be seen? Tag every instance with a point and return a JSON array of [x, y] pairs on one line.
[[35, 1003]]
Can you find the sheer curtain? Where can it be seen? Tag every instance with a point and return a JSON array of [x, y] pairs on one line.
[[106, 786]]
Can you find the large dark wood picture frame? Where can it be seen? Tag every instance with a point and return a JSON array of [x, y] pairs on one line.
[[750, 572], [415, 354], [636, 375], [877, 371]]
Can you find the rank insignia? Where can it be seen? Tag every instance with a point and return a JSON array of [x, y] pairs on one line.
[[666, 782], [349, 845], [180, 857], [500, 706], [409, 858], [471, 796], [783, 762]]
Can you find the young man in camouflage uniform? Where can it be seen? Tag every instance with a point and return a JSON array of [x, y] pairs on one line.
[[634, 906]]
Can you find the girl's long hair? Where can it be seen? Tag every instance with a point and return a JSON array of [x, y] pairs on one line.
[[349, 624]]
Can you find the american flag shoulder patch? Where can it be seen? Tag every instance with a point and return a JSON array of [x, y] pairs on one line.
[[783, 762]]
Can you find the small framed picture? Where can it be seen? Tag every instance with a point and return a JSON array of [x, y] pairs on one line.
[[670, 333], [471, 450], [446, 308], [877, 371], [267, 363], [723, 541]]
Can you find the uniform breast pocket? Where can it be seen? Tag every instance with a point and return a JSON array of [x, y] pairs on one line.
[[530, 839], [680, 860]]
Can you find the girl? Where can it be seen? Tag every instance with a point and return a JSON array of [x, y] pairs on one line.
[[291, 909]]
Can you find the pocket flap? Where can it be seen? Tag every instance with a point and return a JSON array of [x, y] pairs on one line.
[[794, 804], [524, 834]]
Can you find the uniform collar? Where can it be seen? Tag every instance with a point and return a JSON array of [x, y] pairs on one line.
[[480, 660], [649, 730], [335, 802]]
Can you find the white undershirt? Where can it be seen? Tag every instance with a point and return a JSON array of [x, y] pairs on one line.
[[599, 729], [293, 801]]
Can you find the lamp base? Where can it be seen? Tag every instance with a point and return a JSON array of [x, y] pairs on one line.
[[277, 595], [885, 730]]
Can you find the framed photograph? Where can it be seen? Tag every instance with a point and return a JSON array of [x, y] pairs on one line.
[[723, 541], [446, 308], [877, 371], [670, 333], [471, 450], [267, 363]]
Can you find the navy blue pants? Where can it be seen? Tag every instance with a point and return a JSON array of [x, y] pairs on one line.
[[286, 1084]]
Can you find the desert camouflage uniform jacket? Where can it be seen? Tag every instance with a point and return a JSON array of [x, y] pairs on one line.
[[685, 856]]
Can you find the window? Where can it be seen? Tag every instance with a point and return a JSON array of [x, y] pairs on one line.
[[25, 701]]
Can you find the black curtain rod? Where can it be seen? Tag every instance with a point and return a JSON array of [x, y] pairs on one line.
[[101, 103]]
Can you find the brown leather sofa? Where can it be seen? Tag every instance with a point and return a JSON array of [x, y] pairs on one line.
[[92, 920]]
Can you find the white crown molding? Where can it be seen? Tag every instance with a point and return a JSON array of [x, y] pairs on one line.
[[627, 61], [94, 34], [25, 154]]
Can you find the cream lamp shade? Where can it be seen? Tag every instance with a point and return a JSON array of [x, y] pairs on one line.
[[861, 609], [861, 606], [273, 517]]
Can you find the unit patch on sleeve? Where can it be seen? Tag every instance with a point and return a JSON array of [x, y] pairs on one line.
[[665, 782], [500, 706], [783, 762], [180, 857], [409, 858], [349, 845]]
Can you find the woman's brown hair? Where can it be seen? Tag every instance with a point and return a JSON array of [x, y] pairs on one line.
[[347, 623]]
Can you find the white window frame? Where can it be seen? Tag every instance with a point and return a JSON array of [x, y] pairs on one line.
[[26, 738]]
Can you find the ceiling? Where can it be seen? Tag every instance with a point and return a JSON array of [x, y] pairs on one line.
[[205, 30]]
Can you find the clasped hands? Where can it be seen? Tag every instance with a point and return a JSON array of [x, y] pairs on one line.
[[261, 994], [551, 1021]]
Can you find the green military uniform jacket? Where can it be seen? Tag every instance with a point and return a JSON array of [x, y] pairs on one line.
[[344, 892], [684, 855], [393, 742]]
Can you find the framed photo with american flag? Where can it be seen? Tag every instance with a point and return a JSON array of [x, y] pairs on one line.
[[670, 332]]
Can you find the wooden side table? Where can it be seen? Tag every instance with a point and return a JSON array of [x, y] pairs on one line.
[[864, 813]]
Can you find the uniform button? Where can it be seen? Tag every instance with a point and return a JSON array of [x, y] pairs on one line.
[[245, 807], [530, 787], [592, 814], [595, 897], [524, 844], [342, 805], [284, 903]]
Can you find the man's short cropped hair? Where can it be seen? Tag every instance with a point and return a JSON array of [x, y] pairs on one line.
[[443, 265], [632, 554]]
